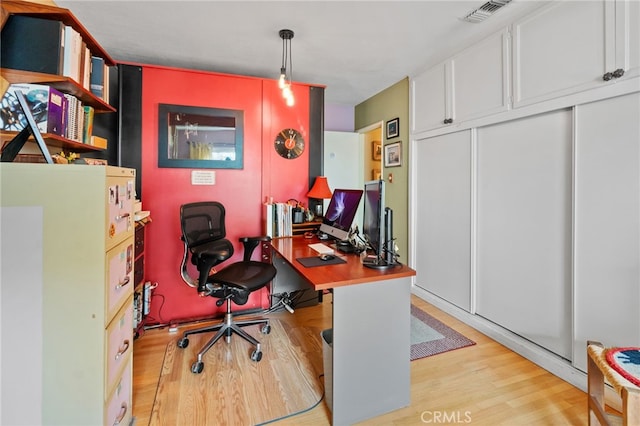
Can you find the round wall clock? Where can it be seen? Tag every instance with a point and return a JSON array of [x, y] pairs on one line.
[[289, 144]]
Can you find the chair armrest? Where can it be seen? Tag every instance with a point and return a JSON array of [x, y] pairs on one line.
[[250, 244]]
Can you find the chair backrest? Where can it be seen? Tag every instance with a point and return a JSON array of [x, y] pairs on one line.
[[202, 222]]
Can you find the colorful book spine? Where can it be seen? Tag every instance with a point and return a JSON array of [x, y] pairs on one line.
[[87, 130]]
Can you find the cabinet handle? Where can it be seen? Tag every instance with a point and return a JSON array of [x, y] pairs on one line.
[[448, 120], [122, 216], [608, 76], [123, 282], [123, 412], [618, 73], [123, 349]]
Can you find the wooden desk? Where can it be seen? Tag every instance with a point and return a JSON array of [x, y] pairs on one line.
[[371, 331]]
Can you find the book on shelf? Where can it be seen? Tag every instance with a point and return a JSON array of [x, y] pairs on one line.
[[98, 76], [87, 130], [32, 44], [73, 120], [98, 141], [72, 46], [85, 66], [278, 220], [47, 106]]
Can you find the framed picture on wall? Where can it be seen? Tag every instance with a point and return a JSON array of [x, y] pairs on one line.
[[393, 154], [393, 128], [376, 150]]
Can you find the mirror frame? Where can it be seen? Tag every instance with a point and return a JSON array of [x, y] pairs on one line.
[[163, 137]]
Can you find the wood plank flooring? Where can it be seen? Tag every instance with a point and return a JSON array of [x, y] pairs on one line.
[[485, 384]]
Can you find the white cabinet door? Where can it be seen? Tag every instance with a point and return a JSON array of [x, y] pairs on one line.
[[524, 228], [607, 225], [472, 84], [480, 83], [443, 211], [566, 48], [429, 99]]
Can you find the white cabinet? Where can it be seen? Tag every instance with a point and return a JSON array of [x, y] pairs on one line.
[[443, 209], [472, 84], [430, 105], [480, 82], [79, 334], [570, 46], [524, 228], [607, 225]]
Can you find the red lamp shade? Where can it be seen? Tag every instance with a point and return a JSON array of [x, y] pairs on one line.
[[320, 189]]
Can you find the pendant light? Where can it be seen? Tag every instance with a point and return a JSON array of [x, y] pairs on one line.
[[284, 82]]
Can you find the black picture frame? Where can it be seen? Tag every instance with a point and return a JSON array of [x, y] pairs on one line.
[[218, 132], [393, 128]]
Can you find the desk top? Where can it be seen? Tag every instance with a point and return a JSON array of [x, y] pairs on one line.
[[331, 276]]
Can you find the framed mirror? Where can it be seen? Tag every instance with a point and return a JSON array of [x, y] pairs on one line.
[[200, 137]]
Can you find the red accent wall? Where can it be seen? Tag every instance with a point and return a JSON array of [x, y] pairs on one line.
[[242, 192]]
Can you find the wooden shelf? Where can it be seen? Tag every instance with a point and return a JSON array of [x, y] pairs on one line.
[[37, 10], [301, 228], [62, 83], [53, 140]]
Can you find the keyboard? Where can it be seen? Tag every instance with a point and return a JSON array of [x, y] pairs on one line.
[[321, 248]]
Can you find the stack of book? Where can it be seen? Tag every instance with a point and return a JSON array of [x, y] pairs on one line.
[[278, 220], [48, 46], [54, 112]]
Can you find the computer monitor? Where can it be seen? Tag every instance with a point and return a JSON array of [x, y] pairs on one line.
[[340, 213], [373, 216]]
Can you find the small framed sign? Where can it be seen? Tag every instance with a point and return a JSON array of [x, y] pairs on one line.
[[393, 154], [393, 128]]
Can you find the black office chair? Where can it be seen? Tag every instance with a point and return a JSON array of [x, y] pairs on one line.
[[203, 234]]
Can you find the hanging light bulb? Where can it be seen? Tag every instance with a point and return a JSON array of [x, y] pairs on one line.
[[284, 82], [287, 94]]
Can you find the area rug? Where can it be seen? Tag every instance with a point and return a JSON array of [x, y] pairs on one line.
[[232, 389], [430, 337]]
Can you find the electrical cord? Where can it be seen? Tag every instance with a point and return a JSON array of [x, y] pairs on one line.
[[152, 319], [288, 416]]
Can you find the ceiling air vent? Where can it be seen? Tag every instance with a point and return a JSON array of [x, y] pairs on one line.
[[486, 10]]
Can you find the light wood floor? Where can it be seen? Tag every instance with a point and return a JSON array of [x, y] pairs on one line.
[[485, 384]]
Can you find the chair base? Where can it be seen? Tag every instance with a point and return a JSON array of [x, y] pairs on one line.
[[226, 328]]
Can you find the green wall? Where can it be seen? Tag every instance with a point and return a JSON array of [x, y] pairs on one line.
[[391, 103]]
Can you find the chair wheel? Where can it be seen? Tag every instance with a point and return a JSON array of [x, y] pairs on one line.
[[183, 343], [256, 356], [266, 329], [197, 367]]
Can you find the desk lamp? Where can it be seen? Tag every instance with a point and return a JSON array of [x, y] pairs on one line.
[[320, 191]]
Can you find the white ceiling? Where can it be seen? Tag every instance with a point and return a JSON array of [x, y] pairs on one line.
[[354, 48]]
